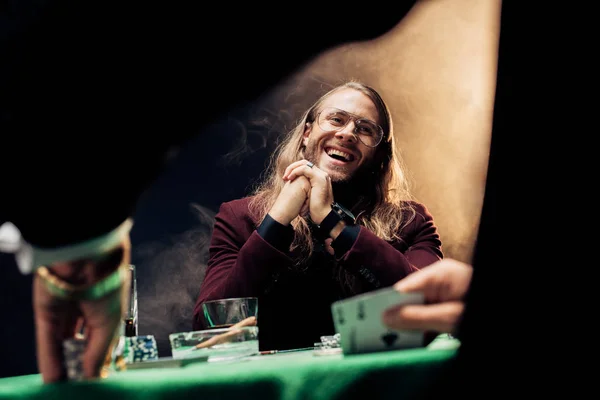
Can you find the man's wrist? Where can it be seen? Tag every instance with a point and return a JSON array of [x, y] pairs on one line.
[[280, 217], [324, 214], [330, 225], [275, 233]]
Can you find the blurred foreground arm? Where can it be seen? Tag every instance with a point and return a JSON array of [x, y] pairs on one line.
[[89, 292]]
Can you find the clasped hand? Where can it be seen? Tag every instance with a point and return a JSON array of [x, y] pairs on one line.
[[306, 190]]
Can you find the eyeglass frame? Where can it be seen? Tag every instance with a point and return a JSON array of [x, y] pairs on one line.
[[354, 118]]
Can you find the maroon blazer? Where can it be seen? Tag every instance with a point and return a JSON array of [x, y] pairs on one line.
[[294, 304]]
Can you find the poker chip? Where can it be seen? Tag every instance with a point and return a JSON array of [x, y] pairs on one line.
[[328, 346], [140, 348], [73, 349], [331, 341]]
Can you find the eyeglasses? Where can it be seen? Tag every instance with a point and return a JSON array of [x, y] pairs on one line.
[[334, 120]]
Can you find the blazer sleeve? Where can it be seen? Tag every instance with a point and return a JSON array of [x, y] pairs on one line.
[[382, 263], [240, 263]]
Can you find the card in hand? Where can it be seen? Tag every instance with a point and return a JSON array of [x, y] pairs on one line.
[[358, 320]]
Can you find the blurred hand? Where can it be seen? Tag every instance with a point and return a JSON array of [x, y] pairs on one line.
[[444, 284], [292, 201], [57, 319], [321, 192]]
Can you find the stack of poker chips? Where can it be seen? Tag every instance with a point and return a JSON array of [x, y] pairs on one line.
[[140, 348], [331, 341], [73, 349], [329, 345]]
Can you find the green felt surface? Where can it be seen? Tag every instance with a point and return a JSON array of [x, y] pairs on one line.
[[288, 376]]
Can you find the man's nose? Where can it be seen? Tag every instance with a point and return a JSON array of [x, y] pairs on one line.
[[347, 134]]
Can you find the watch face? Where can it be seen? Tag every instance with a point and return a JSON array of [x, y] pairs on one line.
[[348, 214]]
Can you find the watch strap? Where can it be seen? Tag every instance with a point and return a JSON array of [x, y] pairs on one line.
[[328, 223], [346, 215]]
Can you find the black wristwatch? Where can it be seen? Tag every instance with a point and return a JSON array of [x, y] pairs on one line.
[[338, 213]]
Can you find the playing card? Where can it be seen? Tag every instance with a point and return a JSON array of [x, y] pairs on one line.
[[358, 320]]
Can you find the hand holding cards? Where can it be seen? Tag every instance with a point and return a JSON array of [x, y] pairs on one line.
[[359, 322]]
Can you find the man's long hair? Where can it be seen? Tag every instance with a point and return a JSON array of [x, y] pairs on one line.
[[384, 206]]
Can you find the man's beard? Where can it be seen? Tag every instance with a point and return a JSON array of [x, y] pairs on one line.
[[348, 189], [339, 173]]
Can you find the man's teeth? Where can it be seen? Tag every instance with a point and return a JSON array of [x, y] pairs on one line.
[[334, 152]]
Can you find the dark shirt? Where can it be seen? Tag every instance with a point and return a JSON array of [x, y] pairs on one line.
[[295, 301]]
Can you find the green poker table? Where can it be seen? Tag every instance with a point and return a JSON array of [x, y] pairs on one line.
[[294, 375]]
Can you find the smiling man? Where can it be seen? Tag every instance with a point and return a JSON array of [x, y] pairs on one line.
[[333, 218]]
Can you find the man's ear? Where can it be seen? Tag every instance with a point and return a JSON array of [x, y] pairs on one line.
[[306, 134]]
